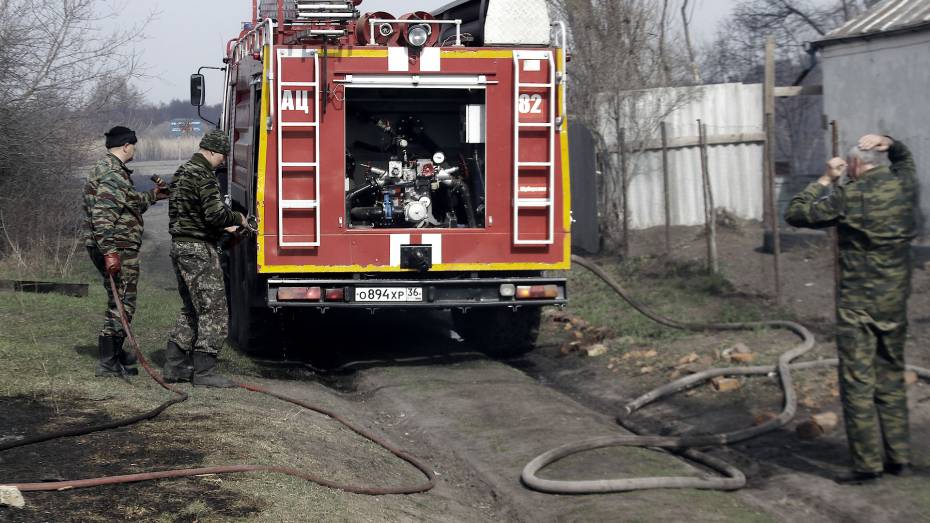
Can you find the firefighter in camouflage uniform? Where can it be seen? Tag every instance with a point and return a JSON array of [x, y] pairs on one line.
[[113, 234], [875, 219], [198, 218]]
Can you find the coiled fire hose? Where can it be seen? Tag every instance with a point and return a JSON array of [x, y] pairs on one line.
[[181, 396], [686, 446]]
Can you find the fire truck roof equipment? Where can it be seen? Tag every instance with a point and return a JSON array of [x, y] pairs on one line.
[[500, 22]]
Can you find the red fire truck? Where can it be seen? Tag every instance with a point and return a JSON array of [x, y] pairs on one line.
[[417, 161]]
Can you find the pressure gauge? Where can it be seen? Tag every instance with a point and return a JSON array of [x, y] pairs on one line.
[[439, 158]]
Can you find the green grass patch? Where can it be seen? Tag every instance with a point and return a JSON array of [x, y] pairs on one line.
[[677, 290]]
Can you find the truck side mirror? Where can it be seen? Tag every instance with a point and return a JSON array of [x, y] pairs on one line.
[[198, 91]]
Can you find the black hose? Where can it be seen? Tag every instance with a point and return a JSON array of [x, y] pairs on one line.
[[459, 187], [479, 175], [354, 193], [367, 214]]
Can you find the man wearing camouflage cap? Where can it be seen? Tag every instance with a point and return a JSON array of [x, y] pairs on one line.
[[113, 234], [198, 218]]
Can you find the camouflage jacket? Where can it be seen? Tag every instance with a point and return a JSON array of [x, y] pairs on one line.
[[876, 221], [113, 208], [195, 207]]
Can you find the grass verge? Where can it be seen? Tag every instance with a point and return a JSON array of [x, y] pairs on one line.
[[48, 352]]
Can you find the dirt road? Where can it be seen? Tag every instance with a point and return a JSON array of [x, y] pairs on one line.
[[477, 421]]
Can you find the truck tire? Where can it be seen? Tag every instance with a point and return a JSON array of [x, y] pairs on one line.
[[499, 332], [254, 329]]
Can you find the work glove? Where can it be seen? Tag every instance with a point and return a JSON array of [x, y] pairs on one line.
[[111, 263], [161, 188]]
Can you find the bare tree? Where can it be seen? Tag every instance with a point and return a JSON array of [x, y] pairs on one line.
[[618, 52], [55, 57], [691, 59], [736, 53], [663, 55]]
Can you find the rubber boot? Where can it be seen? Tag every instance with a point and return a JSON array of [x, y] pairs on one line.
[[903, 470], [178, 367], [856, 477], [108, 364], [205, 372], [126, 357]]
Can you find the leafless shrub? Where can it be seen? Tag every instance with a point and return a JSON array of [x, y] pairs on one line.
[[57, 64], [620, 53]]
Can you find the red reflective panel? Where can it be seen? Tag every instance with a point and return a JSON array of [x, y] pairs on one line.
[[299, 294], [335, 294]]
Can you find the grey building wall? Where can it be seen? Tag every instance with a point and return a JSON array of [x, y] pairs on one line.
[[882, 84], [801, 133]]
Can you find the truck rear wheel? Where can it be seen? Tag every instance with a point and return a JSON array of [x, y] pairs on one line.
[[254, 329], [499, 331]]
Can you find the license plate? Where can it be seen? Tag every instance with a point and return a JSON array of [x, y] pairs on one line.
[[389, 294]]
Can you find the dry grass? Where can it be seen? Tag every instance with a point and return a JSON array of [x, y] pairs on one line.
[[48, 346]]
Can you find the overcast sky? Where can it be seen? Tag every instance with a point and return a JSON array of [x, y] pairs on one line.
[[186, 34]]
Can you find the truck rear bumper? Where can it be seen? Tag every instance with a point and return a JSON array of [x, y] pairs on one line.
[[415, 294]]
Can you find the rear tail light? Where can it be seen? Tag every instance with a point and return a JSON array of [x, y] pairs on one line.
[[335, 295], [534, 292], [299, 294]]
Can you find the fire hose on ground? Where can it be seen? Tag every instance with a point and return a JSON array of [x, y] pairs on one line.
[[687, 445], [181, 396]]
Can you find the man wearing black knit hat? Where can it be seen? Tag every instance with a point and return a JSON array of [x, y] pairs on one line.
[[113, 234]]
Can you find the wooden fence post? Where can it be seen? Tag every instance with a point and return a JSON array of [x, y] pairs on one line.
[[710, 218], [625, 183], [834, 236], [665, 191], [769, 190]]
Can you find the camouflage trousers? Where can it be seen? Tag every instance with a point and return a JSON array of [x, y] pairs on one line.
[[127, 282], [871, 375], [202, 323]]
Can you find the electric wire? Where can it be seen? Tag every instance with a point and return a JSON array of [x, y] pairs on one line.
[[688, 445], [181, 396]]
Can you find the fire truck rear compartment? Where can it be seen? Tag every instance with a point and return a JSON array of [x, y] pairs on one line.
[[415, 158]]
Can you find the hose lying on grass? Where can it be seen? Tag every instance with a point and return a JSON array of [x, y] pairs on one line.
[[686, 446], [181, 396]]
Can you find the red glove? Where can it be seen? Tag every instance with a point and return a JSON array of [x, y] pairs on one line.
[[111, 263]]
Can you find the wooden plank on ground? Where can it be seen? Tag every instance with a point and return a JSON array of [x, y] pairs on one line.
[[75, 290]]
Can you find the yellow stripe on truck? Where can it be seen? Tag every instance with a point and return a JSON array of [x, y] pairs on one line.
[[263, 154], [444, 267]]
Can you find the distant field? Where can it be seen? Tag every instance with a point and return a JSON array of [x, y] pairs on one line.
[[162, 148]]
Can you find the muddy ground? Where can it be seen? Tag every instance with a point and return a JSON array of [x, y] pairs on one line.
[[477, 421]]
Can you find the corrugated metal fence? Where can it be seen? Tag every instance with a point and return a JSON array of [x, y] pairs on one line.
[[735, 134]]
